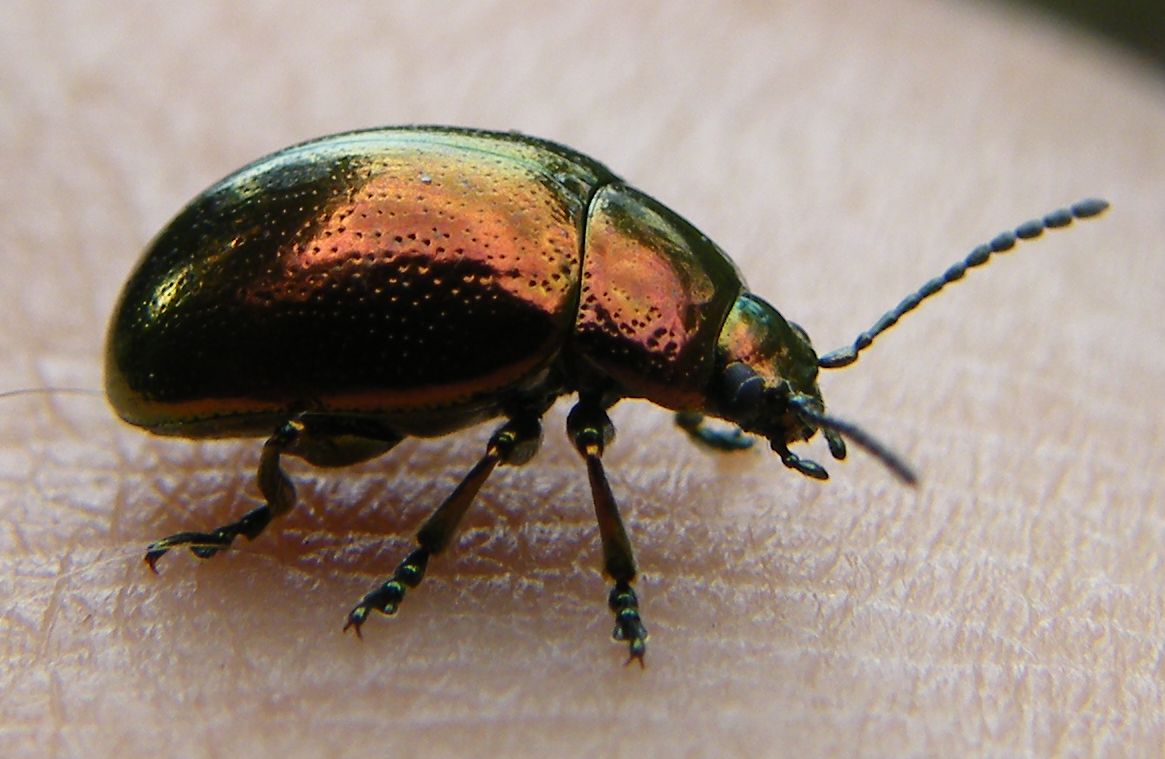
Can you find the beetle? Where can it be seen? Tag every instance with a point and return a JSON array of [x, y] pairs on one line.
[[345, 293]]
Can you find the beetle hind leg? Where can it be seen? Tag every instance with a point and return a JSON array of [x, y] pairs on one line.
[[591, 430], [515, 442], [319, 440]]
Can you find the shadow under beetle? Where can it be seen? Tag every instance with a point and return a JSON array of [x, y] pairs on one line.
[[345, 293]]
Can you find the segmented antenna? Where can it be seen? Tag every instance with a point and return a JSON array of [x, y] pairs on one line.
[[1085, 209]]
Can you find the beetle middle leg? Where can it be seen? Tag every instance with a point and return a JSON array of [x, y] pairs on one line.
[[591, 430], [515, 443], [321, 440]]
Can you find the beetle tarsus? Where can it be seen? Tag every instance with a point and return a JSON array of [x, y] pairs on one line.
[[515, 442], [387, 598], [806, 467], [207, 544], [628, 625]]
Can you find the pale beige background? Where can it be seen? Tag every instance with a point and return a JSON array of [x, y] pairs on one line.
[[842, 152]]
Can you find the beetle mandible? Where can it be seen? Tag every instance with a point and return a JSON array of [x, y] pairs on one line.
[[343, 294]]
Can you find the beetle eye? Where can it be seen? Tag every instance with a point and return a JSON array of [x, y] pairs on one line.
[[743, 391]]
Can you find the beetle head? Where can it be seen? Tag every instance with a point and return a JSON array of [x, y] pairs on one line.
[[768, 372], [767, 385]]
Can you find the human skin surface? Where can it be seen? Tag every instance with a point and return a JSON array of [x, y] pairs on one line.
[[842, 154]]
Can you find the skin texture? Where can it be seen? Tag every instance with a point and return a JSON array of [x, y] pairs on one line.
[[1011, 604]]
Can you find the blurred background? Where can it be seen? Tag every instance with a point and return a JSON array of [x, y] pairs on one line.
[[1138, 25]]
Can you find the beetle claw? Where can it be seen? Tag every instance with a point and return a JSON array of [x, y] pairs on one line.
[[638, 649], [356, 619], [152, 556]]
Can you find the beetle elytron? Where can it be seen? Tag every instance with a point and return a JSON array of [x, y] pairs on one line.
[[346, 293]]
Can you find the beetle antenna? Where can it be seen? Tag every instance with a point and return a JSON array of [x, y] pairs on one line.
[[804, 407], [1085, 209]]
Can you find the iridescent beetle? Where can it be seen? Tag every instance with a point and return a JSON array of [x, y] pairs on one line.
[[346, 293]]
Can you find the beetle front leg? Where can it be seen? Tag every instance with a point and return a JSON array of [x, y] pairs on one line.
[[515, 442], [319, 440], [716, 438], [591, 430]]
